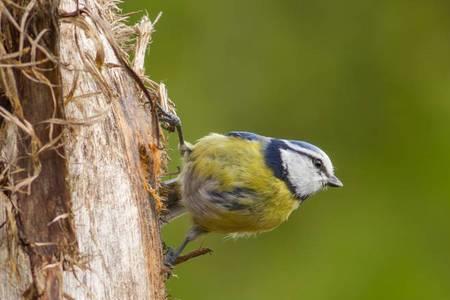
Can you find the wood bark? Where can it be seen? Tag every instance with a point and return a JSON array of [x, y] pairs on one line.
[[80, 157]]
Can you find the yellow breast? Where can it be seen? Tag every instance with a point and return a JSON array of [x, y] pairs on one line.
[[222, 164]]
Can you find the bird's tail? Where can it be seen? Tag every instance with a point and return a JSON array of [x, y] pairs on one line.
[[171, 194]]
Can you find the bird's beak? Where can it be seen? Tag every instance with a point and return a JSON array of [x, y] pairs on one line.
[[333, 181]]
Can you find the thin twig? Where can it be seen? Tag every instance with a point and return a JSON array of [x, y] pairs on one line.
[[193, 254]]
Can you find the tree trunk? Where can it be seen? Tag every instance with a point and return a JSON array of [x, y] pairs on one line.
[[80, 155]]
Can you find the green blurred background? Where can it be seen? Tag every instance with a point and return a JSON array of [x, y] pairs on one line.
[[369, 82]]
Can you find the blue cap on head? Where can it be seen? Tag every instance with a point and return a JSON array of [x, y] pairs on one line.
[[245, 135], [307, 145]]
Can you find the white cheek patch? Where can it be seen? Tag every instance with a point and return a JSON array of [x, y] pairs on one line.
[[301, 174], [319, 154]]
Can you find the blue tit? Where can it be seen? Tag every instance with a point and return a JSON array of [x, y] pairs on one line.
[[242, 183]]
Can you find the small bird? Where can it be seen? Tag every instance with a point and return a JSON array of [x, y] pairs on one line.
[[243, 183]]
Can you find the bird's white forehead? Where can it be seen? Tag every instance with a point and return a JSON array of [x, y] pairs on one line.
[[313, 151]]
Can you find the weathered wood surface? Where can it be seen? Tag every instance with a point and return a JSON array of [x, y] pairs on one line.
[[90, 207]]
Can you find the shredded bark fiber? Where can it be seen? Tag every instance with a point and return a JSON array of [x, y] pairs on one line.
[[42, 118]]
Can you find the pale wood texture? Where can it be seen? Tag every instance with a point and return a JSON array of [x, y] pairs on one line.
[[44, 195], [98, 205]]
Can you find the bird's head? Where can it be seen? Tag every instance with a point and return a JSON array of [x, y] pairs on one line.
[[305, 168]]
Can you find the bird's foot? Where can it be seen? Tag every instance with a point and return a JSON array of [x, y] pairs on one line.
[[170, 258], [172, 120], [173, 123]]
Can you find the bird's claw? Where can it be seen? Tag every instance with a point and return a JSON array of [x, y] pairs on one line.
[[170, 258], [173, 123], [170, 119]]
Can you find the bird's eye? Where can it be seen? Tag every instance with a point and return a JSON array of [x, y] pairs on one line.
[[317, 163]]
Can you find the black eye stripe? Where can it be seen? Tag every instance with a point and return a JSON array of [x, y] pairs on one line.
[[318, 163]]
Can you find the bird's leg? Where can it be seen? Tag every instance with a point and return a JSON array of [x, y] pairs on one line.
[[172, 255], [175, 123]]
